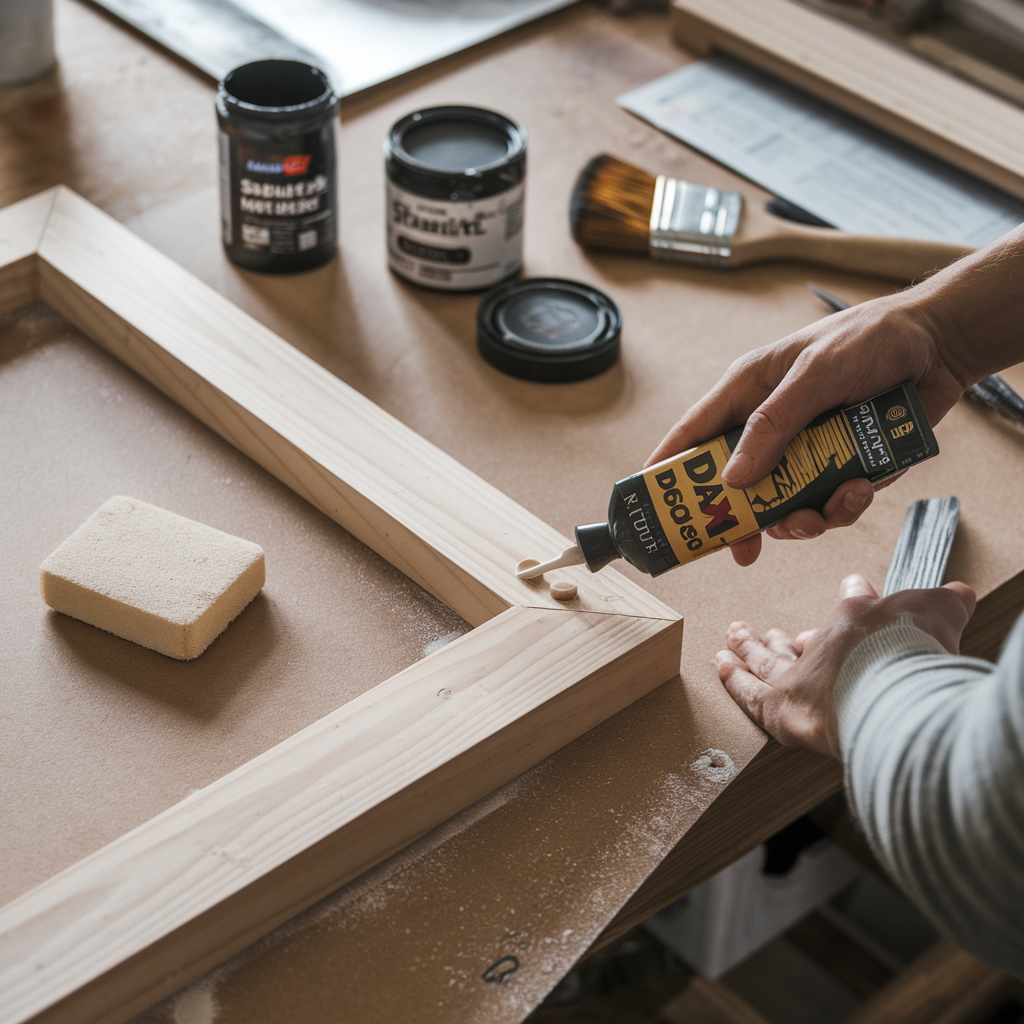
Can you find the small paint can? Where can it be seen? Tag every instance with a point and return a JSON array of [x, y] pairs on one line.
[[455, 183], [278, 197], [26, 41]]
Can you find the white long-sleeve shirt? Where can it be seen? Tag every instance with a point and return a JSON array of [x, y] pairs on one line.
[[933, 748]]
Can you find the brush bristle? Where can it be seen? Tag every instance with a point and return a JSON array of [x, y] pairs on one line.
[[611, 206]]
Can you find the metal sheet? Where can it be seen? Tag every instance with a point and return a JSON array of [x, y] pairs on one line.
[[358, 42]]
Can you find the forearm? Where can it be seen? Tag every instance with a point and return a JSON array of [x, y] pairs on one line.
[[974, 309], [931, 746]]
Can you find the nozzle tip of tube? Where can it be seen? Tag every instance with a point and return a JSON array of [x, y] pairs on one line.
[[524, 567], [530, 568]]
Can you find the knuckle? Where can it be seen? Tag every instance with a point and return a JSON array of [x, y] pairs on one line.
[[760, 421]]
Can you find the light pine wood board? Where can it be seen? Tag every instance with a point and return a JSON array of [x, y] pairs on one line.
[[440, 524], [944, 985], [98, 734], [886, 86], [176, 895], [19, 282], [129, 923]]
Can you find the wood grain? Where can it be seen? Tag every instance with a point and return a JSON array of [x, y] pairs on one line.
[[763, 238], [708, 1002], [944, 985], [433, 519], [886, 86], [21, 230], [134, 921]]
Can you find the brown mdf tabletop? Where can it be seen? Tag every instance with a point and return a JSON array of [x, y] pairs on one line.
[[533, 875]]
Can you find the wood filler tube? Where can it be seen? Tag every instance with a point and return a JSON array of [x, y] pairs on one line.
[[455, 183], [680, 510]]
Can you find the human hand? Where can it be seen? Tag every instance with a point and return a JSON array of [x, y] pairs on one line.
[[785, 683], [777, 390]]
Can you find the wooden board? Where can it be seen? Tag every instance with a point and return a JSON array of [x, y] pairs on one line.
[[132, 921], [88, 715], [884, 85]]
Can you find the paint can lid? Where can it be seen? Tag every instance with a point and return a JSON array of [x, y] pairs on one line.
[[455, 153], [548, 329]]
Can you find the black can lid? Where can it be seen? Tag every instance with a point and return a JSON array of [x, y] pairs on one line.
[[548, 329], [456, 153]]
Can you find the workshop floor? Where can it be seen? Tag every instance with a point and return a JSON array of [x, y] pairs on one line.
[[814, 974]]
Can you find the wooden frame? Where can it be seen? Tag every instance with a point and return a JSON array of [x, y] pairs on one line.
[[878, 82], [170, 899]]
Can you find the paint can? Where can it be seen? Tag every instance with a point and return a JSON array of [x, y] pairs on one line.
[[26, 41], [455, 183], [278, 196]]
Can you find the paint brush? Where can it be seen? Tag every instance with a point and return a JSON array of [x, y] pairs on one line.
[[620, 207], [993, 390]]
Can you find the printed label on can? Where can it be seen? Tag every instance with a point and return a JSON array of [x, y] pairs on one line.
[[226, 229], [277, 198], [455, 246]]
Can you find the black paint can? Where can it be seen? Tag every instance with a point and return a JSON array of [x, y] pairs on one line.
[[278, 196], [455, 183]]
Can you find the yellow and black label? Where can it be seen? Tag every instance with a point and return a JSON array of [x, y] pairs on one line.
[[681, 509], [816, 450], [696, 510]]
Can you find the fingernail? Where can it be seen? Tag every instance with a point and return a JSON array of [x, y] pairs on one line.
[[854, 501], [802, 534]]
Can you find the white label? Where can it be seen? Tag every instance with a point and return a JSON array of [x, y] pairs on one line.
[[455, 246]]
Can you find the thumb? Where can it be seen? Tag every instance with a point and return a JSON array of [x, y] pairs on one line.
[[856, 585], [965, 593]]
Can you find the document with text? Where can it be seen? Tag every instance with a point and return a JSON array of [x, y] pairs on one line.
[[832, 164]]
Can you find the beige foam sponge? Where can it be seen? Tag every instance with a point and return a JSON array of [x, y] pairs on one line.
[[156, 578]]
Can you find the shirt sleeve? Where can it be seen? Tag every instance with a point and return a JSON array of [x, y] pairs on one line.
[[933, 750]]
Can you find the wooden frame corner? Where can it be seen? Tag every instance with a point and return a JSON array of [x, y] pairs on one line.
[[140, 917]]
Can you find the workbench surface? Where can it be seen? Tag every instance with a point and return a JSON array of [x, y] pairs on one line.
[[540, 869]]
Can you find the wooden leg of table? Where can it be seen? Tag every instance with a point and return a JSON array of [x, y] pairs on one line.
[[708, 1002], [944, 985]]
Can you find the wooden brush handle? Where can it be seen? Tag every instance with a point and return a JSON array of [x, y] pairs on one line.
[[762, 237]]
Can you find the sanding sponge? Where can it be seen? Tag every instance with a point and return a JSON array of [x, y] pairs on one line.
[[150, 576]]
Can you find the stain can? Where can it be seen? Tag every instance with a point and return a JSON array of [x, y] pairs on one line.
[[278, 196], [455, 183]]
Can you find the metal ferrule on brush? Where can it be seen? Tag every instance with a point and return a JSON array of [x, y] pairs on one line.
[[693, 223]]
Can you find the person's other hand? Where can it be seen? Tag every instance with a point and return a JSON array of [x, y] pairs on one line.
[[785, 683], [777, 390]]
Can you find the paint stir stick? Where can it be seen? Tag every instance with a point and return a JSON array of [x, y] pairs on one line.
[[922, 551]]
